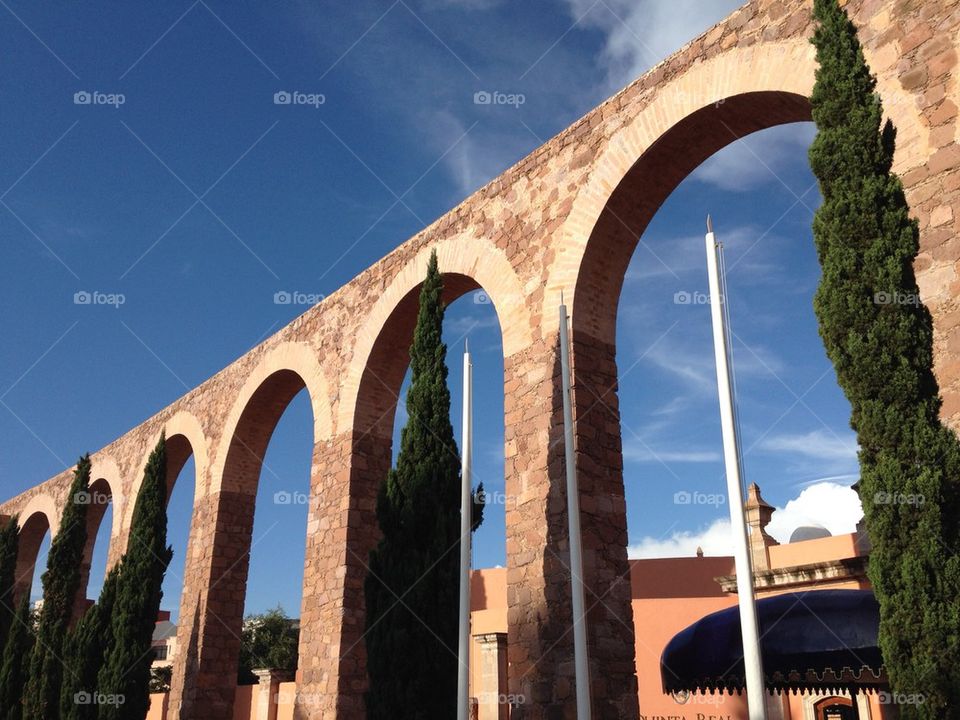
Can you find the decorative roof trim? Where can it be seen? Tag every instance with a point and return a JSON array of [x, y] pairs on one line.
[[854, 568]]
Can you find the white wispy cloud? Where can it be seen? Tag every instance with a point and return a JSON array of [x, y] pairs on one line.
[[757, 159], [695, 370], [641, 33], [694, 365], [472, 155], [679, 255], [461, 4], [472, 323], [638, 452], [817, 445], [830, 505]]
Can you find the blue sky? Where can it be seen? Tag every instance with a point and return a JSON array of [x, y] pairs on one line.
[[198, 199]]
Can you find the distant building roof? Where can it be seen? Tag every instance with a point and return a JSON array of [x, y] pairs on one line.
[[163, 630]]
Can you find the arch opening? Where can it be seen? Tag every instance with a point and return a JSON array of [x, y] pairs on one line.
[[472, 320], [265, 488], [100, 533], [377, 415], [389, 359], [650, 181], [34, 543], [186, 459], [181, 497], [643, 347]]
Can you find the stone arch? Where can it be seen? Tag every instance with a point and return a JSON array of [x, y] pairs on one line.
[[105, 477], [281, 373], [466, 264], [105, 490], [343, 520], [665, 135], [692, 116], [38, 517], [185, 437], [215, 579]]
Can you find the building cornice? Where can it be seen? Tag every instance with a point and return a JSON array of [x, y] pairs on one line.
[[844, 569]]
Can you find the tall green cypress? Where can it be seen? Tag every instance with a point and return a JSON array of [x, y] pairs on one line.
[[61, 583], [15, 667], [879, 337], [84, 652], [9, 541], [412, 589], [124, 678]]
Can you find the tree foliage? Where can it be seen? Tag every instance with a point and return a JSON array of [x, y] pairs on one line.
[[84, 651], [9, 541], [160, 678], [269, 640], [125, 673], [878, 336], [61, 583], [15, 667], [412, 588]]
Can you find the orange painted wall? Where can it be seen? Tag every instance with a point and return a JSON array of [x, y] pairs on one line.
[[287, 693], [668, 595], [814, 551], [158, 706], [245, 702]]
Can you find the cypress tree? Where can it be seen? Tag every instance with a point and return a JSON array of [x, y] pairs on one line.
[[125, 674], [16, 660], [878, 336], [412, 589], [9, 540], [84, 651], [61, 583]]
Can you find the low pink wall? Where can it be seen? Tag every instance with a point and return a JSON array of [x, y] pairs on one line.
[[245, 702], [158, 706], [813, 551], [287, 693]]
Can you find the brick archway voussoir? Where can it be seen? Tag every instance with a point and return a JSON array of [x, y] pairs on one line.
[[104, 468], [292, 356], [180, 423], [782, 67], [472, 257], [45, 505]]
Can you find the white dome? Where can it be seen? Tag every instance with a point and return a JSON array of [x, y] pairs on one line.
[[809, 532]]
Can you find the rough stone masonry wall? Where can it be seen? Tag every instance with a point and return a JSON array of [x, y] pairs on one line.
[[566, 218]]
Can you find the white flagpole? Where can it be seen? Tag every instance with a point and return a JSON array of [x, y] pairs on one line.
[[752, 661], [575, 539], [466, 520]]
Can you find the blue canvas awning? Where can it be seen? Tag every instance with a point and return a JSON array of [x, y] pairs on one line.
[[818, 640]]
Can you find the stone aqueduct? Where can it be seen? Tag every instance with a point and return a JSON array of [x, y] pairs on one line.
[[566, 218]]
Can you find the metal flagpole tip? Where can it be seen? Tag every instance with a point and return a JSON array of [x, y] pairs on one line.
[[466, 344], [709, 224]]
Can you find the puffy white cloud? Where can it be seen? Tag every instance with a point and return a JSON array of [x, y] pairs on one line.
[[715, 539], [836, 507], [831, 505]]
